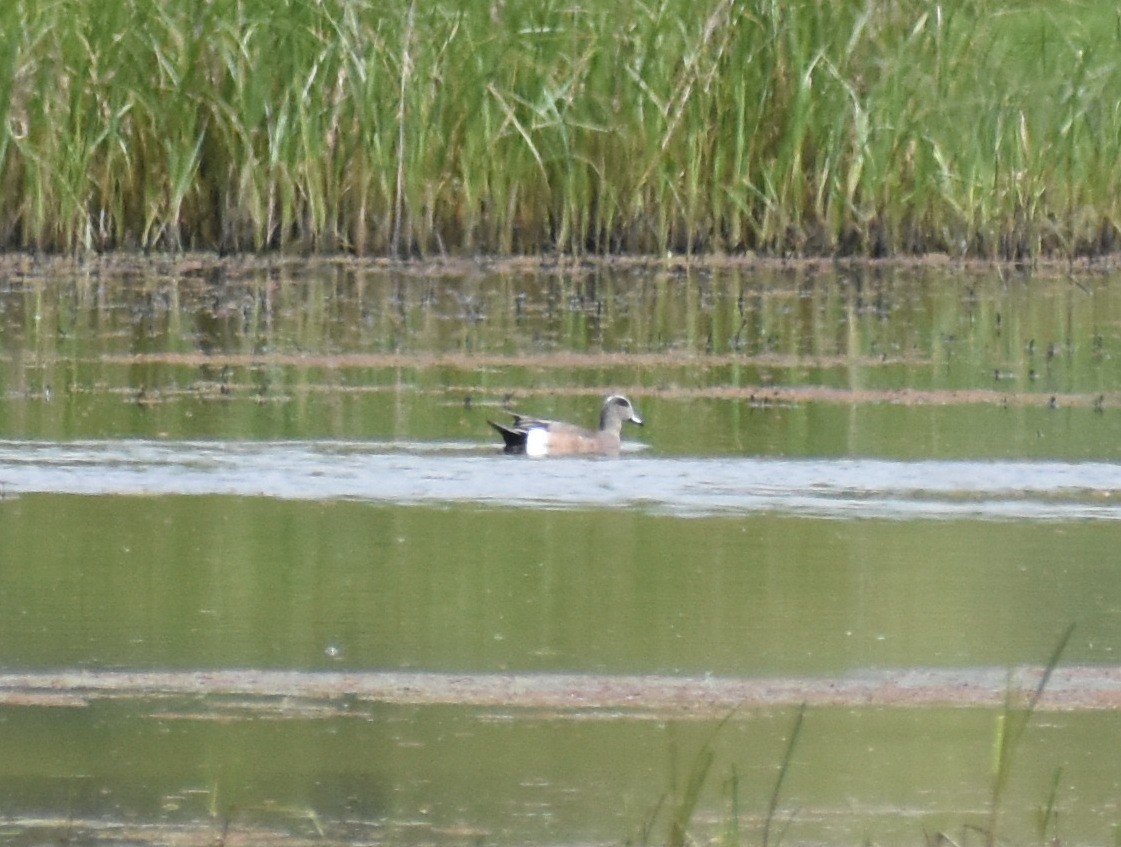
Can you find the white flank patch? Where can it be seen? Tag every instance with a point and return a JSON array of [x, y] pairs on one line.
[[536, 442]]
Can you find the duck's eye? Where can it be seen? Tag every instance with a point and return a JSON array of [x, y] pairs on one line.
[[622, 401]]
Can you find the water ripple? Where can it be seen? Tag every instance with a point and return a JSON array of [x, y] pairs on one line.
[[438, 473]]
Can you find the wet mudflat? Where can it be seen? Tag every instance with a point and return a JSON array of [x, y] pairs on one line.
[[268, 577]]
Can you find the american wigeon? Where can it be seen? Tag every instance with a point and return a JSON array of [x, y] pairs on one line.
[[536, 437]]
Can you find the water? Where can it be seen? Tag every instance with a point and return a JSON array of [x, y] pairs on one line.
[[876, 493], [467, 474]]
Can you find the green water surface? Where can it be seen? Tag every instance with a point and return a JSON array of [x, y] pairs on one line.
[[189, 582]]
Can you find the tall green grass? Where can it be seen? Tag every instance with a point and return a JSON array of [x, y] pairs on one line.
[[1012, 724], [868, 127]]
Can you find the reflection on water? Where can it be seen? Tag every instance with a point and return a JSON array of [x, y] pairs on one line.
[[857, 471], [344, 353]]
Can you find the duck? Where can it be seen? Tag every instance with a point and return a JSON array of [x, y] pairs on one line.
[[539, 437]]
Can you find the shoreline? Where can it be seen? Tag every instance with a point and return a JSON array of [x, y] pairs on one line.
[[237, 265]]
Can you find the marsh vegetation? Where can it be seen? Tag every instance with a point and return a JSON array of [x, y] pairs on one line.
[[857, 127]]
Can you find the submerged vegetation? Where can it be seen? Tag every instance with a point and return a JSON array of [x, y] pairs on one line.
[[862, 127]]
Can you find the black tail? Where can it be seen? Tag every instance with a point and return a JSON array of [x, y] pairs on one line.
[[515, 439]]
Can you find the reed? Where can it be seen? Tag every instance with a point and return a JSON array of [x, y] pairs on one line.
[[1011, 725], [860, 127]]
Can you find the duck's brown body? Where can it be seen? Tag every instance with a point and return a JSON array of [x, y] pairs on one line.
[[539, 437]]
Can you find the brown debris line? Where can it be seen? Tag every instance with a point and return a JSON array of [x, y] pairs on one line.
[[149, 265], [756, 394], [229, 830], [908, 396], [553, 360], [1071, 688], [781, 396]]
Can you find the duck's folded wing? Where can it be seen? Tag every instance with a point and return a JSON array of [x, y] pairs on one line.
[[528, 422]]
